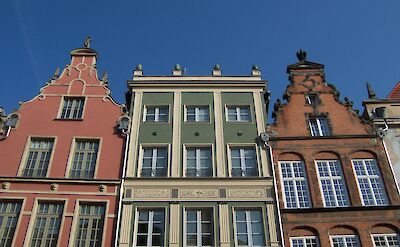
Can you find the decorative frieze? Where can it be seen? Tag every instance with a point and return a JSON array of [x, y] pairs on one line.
[[198, 193], [151, 193], [246, 193]]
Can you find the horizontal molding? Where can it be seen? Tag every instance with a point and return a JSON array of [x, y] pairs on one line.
[[338, 209], [59, 180], [289, 138]]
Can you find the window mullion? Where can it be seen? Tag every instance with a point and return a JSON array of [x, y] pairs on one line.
[[156, 114], [154, 161], [242, 160], [238, 114], [369, 182], [198, 167], [150, 229], [294, 185], [332, 184], [198, 223], [249, 230], [319, 127], [196, 114]]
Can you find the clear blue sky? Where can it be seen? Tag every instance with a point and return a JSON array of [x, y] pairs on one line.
[[358, 40]]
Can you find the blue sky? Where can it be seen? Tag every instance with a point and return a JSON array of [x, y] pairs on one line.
[[358, 41]]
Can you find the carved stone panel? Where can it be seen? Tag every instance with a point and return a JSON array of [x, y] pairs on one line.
[[246, 193], [198, 193], [151, 193]]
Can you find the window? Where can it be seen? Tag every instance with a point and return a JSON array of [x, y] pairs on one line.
[[312, 99], [84, 159], [47, 225], [197, 114], [369, 182], [72, 108], [249, 229], [198, 228], [90, 226], [332, 184], [345, 241], [149, 227], [156, 114], [306, 241], [387, 240], [155, 162], [238, 114], [38, 159], [9, 212], [243, 160], [198, 162], [319, 126], [294, 183]]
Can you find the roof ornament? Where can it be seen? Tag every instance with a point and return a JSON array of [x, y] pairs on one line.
[[87, 42], [217, 67], [104, 78], [301, 55], [178, 67], [371, 93], [56, 74], [139, 67]]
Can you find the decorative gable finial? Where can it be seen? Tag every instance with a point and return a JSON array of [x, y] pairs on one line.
[[56, 74], [301, 55], [87, 42], [371, 93], [104, 78]]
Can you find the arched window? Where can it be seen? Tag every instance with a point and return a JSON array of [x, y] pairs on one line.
[[304, 237], [344, 236], [385, 235]]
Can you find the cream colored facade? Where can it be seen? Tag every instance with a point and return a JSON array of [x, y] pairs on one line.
[[222, 193], [390, 129]]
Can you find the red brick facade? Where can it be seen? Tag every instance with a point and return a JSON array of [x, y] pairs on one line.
[[340, 136], [65, 150]]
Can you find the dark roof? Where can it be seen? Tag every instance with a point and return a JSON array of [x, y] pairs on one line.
[[84, 52], [395, 93], [305, 65]]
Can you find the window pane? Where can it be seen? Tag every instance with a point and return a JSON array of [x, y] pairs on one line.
[[149, 228], [90, 229], [249, 227], [9, 212], [154, 162], [47, 224], [243, 161], [38, 159], [72, 108], [85, 158]]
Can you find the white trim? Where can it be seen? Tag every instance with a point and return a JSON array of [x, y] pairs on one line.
[[322, 126], [156, 113], [150, 210], [331, 178], [248, 219], [385, 235], [331, 237], [153, 146], [197, 146], [304, 238], [61, 106], [242, 163], [294, 179], [238, 113], [196, 115], [198, 224]]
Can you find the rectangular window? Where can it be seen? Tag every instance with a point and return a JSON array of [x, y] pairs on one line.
[[312, 99], [238, 114], [198, 227], [249, 229], [150, 227], [319, 126], [38, 159], [387, 240], [332, 184], [154, 162], [345, 241], [197, 114], [156, 114], [306, 241], [72, 108], [84, 159], [198, 162], [369, 182], [294, 183], [9, 212], [244, 161], [90, 226], [47, 225]]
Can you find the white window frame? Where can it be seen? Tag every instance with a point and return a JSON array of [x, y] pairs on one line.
[[150, 223], [304, 238], [86, 153], [320, 126], [294, 179], [385, 235], [199, 225], [248, 225], [197, 147], [242, 158], [154, 158], [156, 113], [73, 107], [369, 177], [196, 114], [330, 179], [238, 115], [344, 239], [309, 101], [28, 151]]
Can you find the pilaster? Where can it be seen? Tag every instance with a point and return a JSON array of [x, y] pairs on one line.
[[176, 135], [174, 225], [224, 229], [219, 135], [125, 229]]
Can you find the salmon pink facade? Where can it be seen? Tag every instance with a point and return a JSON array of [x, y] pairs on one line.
[[61, 157]]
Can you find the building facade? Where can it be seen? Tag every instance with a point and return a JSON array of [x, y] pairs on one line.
[[335, 184], [196, 174], [384, 113], [60, 161]]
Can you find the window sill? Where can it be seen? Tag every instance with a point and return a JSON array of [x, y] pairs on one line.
[[68, 119]]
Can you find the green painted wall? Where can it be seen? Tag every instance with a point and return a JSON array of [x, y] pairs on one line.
[[163, 129]]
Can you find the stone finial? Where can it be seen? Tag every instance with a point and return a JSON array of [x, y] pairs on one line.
[[177, 71], [104, 77], [86, 44], [301, 55], [255, 71], [138, 70], [56, 74], [371, 93], [217, 70], [5, 185]]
